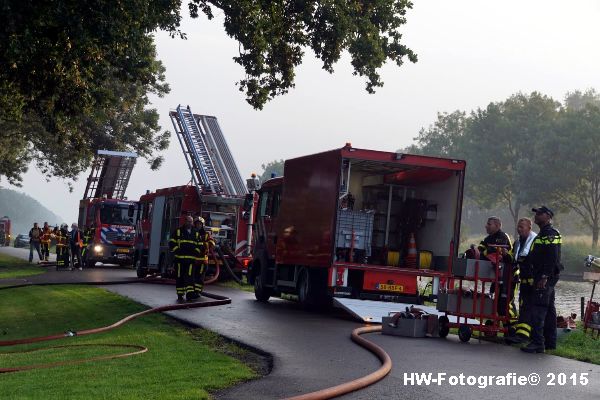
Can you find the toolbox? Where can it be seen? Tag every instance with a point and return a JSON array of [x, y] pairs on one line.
[[465, 267], [416, 328], [448, 302]]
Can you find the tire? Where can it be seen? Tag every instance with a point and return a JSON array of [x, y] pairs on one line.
[[261, 292], [305, 288], [444, 326], [464, 333]]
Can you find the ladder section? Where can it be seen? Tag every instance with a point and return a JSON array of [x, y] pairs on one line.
[[194, 147], [110, 174], [233, 183]]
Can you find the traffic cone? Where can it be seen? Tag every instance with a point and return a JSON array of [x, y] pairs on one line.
[[411, 256]]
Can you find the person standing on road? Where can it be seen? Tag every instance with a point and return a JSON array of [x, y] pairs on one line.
[[185, 248], [76, 243], [545, 261], [35, 236], [206, 243], [521, 248], [62, 243], [45, 239]]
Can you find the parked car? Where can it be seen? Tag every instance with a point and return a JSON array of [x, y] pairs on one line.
[[22, 240]]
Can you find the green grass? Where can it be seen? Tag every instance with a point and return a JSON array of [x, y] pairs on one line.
[[180, 363], [245, 286], [12, 267], [579, 346], [573, 253]]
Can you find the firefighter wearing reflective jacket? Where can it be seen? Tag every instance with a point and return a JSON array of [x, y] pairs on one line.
[[545, 261], [185, 247], [521, 249], [88, 237], [45, 240], [206, 244], [497, 237], [62, 247]]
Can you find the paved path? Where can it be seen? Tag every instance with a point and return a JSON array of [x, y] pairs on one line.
[[312, 351]]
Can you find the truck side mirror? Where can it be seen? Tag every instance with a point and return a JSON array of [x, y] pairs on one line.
[[248, 202]]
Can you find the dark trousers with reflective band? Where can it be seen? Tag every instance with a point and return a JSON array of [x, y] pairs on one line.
[[76, 253], [184, 276], [45, 250], [62, 257], [523, 326], [543, 318], [199, 272]]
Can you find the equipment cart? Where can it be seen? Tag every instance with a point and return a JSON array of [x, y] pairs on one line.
[[477, 308]]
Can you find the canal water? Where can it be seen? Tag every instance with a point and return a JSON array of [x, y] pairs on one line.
[[568, 296]]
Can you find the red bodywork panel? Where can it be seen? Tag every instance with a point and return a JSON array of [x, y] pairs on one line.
[[308, 210], [5, 227]]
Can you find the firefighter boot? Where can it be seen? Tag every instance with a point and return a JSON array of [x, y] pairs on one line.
[[533, 348], [180, 298], [515, 339]]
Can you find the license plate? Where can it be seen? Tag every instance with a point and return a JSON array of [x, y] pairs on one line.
[[389, 288], [121, 256], [123, 251]]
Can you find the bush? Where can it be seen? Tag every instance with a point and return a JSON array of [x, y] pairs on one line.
[[573, 256]]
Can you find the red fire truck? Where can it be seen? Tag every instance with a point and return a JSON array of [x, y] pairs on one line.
[[113, 226], [341, 224], [105, 211], [162, 211], [5, 231], [217, 193]]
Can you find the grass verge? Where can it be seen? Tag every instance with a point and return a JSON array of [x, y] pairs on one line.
[[13, 267], [245, 286], [578, 346], [180, 363]]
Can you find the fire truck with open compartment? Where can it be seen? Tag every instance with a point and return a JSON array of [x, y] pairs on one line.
[[340, 224]]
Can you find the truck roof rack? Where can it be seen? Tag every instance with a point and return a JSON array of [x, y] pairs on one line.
[[110, 174]]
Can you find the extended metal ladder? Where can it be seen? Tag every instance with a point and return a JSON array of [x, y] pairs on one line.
[[195, 150], [206, 152], [110, 174]]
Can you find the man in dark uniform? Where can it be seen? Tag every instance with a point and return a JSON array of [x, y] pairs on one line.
[[497, 237], [545, 261], [185, 247], [521, 249]]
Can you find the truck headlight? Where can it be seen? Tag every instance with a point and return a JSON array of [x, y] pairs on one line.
[[98, 248]]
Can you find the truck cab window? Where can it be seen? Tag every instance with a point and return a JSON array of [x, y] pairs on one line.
[[276, 199], [264, 201]]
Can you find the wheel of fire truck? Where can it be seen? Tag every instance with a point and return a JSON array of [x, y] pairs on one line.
[[464, 332], [261, 292], [444, 326], [139, 264], [312, 288]]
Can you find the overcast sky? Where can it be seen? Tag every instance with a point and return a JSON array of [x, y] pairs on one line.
[[471, 52]]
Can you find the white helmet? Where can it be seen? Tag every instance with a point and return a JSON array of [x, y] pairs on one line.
[[64, 226]]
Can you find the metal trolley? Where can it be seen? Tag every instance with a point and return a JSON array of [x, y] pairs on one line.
[[475, 310]]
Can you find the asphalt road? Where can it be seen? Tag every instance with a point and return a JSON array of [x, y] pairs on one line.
[[312, 351]]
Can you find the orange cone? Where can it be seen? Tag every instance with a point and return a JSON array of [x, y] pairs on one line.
[[411, 256]]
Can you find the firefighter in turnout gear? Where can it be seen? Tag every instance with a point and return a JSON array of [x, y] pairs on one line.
[[45, 239], [545, 261], [521, 248], [62, 247], [185, 247], [88, 238], [497, 237], [206, 244]]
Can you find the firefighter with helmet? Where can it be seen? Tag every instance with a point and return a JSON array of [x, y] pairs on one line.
[[45, 239], [185, 248], [62, 243], [206, 244]]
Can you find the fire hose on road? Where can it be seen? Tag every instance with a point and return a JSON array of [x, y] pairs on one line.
[[218, 300]]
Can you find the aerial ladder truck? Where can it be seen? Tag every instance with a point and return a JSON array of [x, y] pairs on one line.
[[104, 211], [215, 192]]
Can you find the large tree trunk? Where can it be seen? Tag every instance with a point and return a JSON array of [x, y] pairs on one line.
[[595, 231]]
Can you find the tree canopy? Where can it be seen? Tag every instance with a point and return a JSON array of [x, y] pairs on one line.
[[74, 76], [527, 150]]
